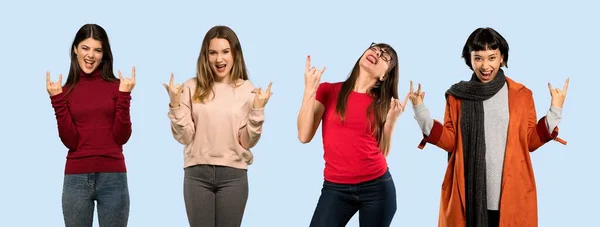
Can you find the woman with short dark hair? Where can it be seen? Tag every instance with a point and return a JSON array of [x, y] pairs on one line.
[[489, 128]]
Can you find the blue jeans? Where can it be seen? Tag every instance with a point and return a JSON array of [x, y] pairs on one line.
[[110, 192], [375, 201]]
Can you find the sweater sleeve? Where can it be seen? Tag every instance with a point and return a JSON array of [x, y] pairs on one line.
[[553, 118], [122, 125], [423, 118], [66, 128], [182, 123], [251, 130]]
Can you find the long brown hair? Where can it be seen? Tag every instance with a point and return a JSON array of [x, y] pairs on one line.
[[382, 93], [205, 76], [98, 33]]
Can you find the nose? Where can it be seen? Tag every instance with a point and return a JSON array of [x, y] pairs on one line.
[[89, 55], [486, 65]]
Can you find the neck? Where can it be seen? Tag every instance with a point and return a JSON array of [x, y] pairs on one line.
[[95, 74], [364, 82], [222, 80]]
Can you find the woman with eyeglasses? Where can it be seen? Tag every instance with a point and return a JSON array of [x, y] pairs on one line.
[[358, 117], [489, 128]]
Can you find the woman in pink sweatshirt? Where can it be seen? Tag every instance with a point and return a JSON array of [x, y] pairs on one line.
[[92, 112], [218, 116]]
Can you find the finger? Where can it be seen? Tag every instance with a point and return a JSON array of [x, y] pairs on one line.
[[322, 71], [120, 75], [423, 95], [255, 90], [419, 89], [405, 100], [307, 67], [411, 90], [313, 70], [550, 87], [60, 79], [133, 74], [166, 86], [47, 78], [172, 80], [566, 86], [269, 87]]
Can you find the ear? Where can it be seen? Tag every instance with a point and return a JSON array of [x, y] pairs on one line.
[[382, 77], [75, 50]]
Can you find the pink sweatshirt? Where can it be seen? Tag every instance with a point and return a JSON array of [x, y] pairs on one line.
[[212, 132]]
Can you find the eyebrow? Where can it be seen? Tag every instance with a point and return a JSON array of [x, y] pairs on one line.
[[223, 49], [477, 55], [99, 48]]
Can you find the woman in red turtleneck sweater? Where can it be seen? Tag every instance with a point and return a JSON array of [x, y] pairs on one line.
[[92, 112]]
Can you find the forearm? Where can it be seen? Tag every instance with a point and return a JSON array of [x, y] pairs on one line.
[[182, 125], [553, 118], [423, 118], [385, 143], [66, 128], [122, 124], [306, 116], [250, 134]]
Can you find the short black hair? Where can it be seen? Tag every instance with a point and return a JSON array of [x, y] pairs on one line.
[[485, 39]]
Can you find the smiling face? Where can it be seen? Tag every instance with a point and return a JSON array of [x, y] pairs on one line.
[[220, 58], [89, 54], [376, 61], [486, 64]]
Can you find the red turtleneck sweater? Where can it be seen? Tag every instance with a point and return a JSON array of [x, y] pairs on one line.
[[93, 123]]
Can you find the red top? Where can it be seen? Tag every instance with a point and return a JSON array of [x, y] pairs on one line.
[[93, 123], [352, 154]]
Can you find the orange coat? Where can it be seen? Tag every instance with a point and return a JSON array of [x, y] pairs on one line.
[[518, 198]]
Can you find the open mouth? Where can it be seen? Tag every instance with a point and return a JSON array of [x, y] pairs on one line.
[[89, 64], [220, 67], [486, 74], [372, 58]]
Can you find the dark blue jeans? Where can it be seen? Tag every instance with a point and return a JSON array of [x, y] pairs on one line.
[[375, 201], [108, 190]]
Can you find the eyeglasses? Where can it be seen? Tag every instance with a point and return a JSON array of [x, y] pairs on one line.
[[381, 52]]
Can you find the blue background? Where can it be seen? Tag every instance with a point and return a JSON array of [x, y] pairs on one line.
[[548, 41]]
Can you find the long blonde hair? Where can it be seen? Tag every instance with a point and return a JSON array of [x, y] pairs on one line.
[[205, 77]]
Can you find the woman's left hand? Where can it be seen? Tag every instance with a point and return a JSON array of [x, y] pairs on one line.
[[261, 98], [396, 108], [127, 84], [558, 95]]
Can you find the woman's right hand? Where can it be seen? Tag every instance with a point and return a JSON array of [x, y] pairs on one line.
[[54, 88], [312, 77], [174, 91], [416, 97]]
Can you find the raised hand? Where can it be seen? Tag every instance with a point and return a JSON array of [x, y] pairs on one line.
[[416, 97], [54, 88], [174, 91], [558, 96], [397, 107], [261, 98], [127, 84], [312, 76]]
